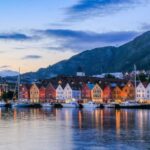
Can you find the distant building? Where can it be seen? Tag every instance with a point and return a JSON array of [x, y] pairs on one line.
[[80, 72], [118, 75]]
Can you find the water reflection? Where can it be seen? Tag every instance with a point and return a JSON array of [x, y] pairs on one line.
[[74, 129]]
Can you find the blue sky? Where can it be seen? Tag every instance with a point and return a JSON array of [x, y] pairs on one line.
[[39, 33]]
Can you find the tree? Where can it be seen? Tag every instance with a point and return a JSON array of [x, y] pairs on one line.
[[7, 95], [109, 76]]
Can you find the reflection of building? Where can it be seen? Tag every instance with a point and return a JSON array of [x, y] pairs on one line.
[[118, 121]]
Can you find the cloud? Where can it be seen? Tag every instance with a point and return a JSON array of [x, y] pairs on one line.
[[82, 40], [87, 8], [5, 66], [32, 57], [145, 26], [15, 36]]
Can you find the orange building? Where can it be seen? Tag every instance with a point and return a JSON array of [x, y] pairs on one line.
[[116, 93], [128, 91], [34, 93]]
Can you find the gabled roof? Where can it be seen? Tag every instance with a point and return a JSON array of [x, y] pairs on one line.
[[145, 84]]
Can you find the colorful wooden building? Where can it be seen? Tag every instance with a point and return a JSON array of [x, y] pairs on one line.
[[96, 93], [50, 92], [107, 94], [42, 93], [24, 92], [128, 91], [85, 93], [60, 93], [34, 93], [116, 93]]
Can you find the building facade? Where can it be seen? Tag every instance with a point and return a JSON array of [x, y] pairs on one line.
[[50, 93], [97, 93], [67, 92], [60, 93], [24, 92], [34, 93], [42, 94], [85, 93]]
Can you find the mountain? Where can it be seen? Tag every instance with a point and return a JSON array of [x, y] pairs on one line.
[[106, 59], [8, 73]]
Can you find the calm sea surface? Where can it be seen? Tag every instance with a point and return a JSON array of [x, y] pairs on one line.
[[74, 129]]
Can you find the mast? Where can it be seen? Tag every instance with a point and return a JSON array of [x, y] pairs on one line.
[[19, 85], [135, 80]]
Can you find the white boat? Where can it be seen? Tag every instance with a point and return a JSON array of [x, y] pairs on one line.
[[110, 105], [70, 105], [21, 104], [90, 104], [2, 104], [129, 104], [47, 105]]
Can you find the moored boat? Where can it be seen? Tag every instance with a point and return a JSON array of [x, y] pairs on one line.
[[2, 104], [47, 105], [70, 105], [111, 105], [21, 104], [90, 104]]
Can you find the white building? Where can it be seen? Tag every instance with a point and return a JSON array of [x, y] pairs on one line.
[[67, 92], [141, 91], [80, 72], [59, 93], [148, 92]]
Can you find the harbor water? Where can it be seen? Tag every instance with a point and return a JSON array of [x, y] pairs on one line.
[[74, 129]]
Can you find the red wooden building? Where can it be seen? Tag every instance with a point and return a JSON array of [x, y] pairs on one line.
[[107, 94], [50, 92], [42, 94], [24, 92], [85, 93]]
